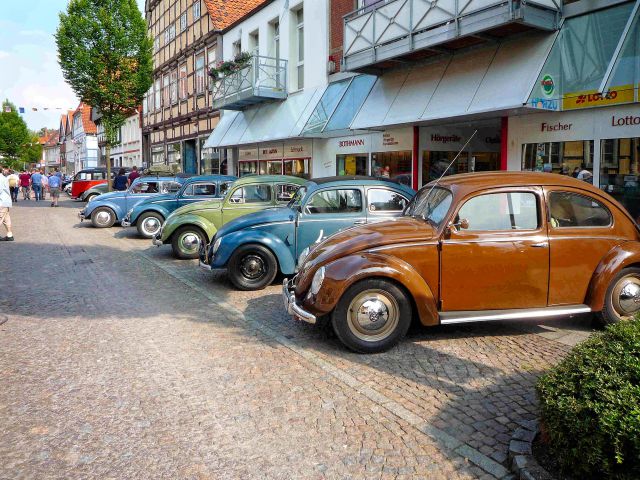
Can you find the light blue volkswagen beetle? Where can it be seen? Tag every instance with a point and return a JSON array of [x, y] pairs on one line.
[[109, 208], [148, 215], [255, 247]]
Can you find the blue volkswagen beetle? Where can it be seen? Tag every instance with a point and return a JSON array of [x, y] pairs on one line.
[[109, 208], [148, 215], [255, 247]]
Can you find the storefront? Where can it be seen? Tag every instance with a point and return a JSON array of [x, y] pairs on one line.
[[601, 145], [283, 158]]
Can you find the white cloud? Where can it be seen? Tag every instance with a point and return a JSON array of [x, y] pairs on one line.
[[4, 54]]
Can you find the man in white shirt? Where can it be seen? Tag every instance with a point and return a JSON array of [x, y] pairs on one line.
[[5, 204]]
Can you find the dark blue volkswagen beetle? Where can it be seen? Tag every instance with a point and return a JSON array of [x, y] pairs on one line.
[[255, 247], [149, 214]]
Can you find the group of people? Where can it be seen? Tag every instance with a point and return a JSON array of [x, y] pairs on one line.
[[36, 181]]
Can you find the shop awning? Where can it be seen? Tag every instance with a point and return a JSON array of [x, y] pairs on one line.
[[489, 79], [269, 122]]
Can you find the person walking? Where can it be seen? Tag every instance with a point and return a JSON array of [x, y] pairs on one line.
[[120, 182], [5, 204], [14, 185], [36, 184], [25, 185], [45, 184], [55, 183], [133, 175]]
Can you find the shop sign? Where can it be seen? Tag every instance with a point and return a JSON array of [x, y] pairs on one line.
[[353, 142], [545, 104], [444, 139], [593, 98], [389, 140], [548, 86], [555, 127], [270, 152], [248, 154], [492, 140], [626, 121], [297, 150]]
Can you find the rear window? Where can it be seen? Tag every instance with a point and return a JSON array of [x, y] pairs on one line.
[[285, 192], [568, 209]]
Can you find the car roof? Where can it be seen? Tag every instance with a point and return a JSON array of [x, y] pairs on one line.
[[146, 178], [359, 180], [470, 182], [270, 179], [211, 178]]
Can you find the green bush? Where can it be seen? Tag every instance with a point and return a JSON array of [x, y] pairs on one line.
[[590, 405]]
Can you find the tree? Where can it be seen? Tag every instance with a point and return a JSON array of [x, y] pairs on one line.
[[14, 135], [106, 56], [32, 151]]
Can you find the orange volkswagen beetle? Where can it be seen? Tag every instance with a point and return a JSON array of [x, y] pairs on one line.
[[472, 248]]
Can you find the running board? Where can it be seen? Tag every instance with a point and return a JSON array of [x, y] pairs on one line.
[[515, 314]]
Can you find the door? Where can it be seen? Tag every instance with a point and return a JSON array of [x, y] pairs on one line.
[[328, 211], [501, 261], [190, 161]]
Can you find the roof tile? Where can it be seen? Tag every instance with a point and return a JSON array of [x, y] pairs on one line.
[[225, 13]]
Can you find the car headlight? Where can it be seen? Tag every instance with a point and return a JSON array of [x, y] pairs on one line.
[[216, 245], [303, 256], [316, 283]]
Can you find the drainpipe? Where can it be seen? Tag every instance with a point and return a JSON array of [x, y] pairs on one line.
[[504, 142], [416, 152]]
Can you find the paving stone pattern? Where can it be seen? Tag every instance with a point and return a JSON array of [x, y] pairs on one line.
[[117, 361]]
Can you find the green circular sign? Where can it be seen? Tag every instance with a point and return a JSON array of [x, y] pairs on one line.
[[548, 86]]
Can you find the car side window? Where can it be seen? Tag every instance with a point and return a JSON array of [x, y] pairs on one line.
[[501, 211], [568, 209], [171, 187], [204, 189], [98, 176], [285, 192], [335, 201], [145, 187], [381, 200], [258, 193]]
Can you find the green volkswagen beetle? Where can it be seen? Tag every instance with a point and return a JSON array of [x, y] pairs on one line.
[[193, 225]]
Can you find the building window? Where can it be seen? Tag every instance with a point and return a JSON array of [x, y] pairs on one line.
[[620, 171], [182, 76], [183, 22], [172, 31], [167, 38], [394, 165], [237, 48], [174, 87], [156, 94], [200, 73], [300, 49], [156, 44], [566, 158], [174, 153], [157, 155], [211, 57], [145, 104], [166, 98], [254, 42], [196, 10]]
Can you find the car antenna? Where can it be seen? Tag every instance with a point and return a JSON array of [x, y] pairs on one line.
[[452, 161]]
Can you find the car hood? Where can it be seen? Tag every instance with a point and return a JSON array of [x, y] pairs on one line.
[[198, 207], [366, 237], [263, 217]]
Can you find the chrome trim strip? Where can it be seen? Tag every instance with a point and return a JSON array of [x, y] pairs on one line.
[[401, 245], [513, 314]]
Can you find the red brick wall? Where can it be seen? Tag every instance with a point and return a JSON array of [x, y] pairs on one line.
[[338, 9]]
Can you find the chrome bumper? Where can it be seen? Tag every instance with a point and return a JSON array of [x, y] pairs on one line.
[[125, 223], [203, 261], [292, 307], [157, 241], [81, 215]]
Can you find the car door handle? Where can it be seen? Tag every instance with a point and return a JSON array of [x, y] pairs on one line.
[[539, 245], [359, 222]]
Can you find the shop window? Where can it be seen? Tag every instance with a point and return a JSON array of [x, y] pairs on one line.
[[384, 201], [434, 164], [394, 165], [285, 192], [247, 168], [568, 209], [620, 171], [335, 201], [271, 167], [501, 211], [297, 167], [157, 155], [258, 193], [351, 164], [174, 153], [565, 158]]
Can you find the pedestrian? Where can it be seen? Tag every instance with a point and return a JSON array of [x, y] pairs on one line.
[[120, 182], [575, 173], [585, 175], [5, 204], [25, 185], [55, 183], [36, 184], [45, 184], [133, 175], [14, 185]]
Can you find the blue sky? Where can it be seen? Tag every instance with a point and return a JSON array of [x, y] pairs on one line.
[[29, 71]]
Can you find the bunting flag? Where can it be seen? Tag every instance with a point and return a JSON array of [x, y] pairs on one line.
[[23, 110]]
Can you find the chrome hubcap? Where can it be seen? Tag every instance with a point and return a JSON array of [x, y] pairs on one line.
[[252, 267], [103, 217], [189, 242], [151, 225], [626, 297], [373, 315]]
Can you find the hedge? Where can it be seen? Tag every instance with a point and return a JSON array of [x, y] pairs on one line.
[[590, 406]]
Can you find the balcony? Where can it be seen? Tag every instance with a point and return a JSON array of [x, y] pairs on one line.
[[392, 32], [263, 79]]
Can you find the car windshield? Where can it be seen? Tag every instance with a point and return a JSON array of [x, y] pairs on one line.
[[297, 197], [431, 204]]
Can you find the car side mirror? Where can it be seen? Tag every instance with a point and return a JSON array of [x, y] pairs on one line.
[[462, 224]]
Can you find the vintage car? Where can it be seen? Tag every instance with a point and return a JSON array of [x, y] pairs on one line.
[[255, 247], [148, 215], [111, 207], [88, 178], [472, 248], [189, 226]]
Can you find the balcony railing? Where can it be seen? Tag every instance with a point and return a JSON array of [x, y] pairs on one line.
[[391, 29], [263, 79]]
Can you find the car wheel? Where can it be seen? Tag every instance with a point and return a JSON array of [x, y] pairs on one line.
[[372, 316], [103, 217], [186, 242], [622, 300], [149, 224], [88, 198], [252, 267]]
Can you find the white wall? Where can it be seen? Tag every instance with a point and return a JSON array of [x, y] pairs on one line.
[[316, 37]]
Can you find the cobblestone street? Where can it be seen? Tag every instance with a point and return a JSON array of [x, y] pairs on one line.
[[117, 361]]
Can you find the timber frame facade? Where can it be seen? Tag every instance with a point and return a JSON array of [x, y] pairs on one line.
[[177, 117]]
